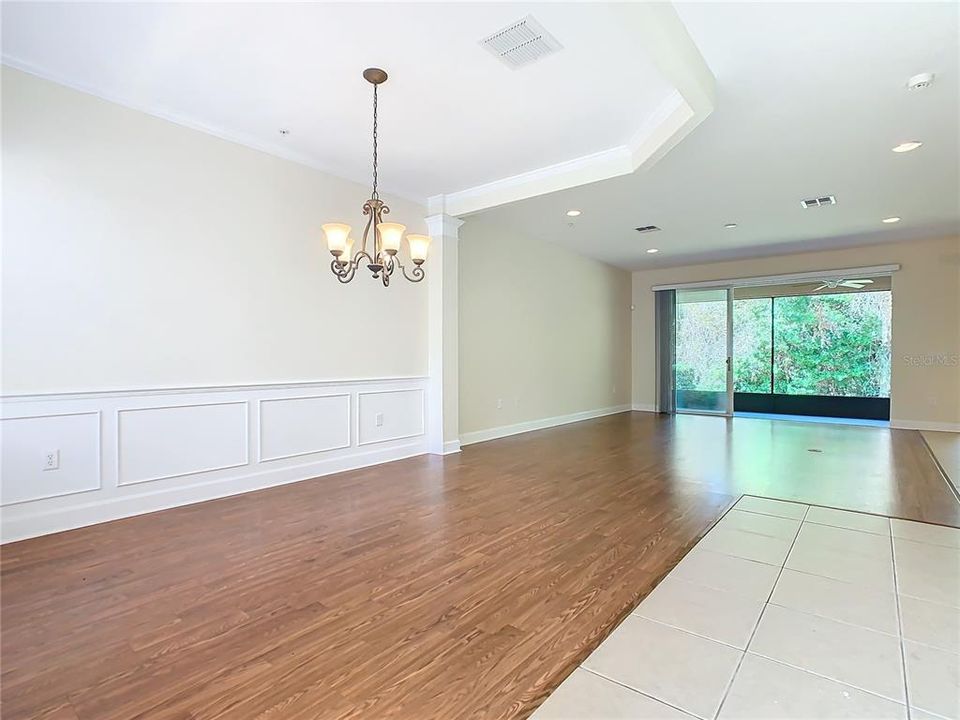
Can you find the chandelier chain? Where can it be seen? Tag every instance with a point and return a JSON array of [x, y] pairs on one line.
[[375, 194]]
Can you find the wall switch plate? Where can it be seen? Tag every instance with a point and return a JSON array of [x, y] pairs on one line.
[[379, 419], [51, 460]]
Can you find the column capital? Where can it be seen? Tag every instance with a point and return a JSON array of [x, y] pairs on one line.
[[443, 225]]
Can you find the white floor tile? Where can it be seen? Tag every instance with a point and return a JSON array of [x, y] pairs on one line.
[[766, 690], [930, 623], [854, 655], [767, 525], [925, 532], [715, 614], [837, 600], [683, 670], [585, 696], [747, 578], [849, 542], [933, 679], [749, 545], [850, 520], [929, 572], [766, 506], [819, 550]]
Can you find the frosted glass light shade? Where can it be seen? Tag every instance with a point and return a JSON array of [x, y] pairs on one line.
[[337, 234], [390, 236], [419, 246]]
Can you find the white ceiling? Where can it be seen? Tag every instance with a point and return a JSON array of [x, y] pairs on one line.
[[810, 99], [451, 115]]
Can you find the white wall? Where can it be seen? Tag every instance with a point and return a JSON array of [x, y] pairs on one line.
[[171, 328], [543, 330], [153, 256], [925, 333]]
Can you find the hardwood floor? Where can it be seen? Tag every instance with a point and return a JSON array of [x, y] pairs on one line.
[[458, 587]]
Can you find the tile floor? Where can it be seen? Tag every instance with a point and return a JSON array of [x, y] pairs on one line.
[[786, 610]]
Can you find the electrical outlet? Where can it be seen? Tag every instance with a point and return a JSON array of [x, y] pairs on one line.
[[499, 403], [51, 460], [379, 419]]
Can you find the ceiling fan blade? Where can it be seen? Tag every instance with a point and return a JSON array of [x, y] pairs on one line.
[[820, 288]]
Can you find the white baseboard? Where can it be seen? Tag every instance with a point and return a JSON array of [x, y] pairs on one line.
[[644, 407], [451, 447], [506, 430], [924, 425]]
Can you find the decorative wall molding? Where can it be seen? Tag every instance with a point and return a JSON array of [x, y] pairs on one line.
[[111, 468], [293, 424], [176, 441], [506, 430]]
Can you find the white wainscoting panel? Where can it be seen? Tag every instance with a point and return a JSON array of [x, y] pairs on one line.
[[128, 452], [290, 427], [24, 444], [391, 415], [165, 442]]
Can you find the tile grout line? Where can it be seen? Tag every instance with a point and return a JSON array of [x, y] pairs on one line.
[[766, 603], [834, 680], [903, 651], [640, 692]]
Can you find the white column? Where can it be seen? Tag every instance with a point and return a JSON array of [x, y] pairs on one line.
[[443, 405]]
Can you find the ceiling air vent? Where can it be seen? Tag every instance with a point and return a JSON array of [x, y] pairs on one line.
[[648, 228], [521, 43], [819, 201]]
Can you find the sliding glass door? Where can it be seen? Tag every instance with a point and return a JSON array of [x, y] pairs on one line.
[[703, 379]]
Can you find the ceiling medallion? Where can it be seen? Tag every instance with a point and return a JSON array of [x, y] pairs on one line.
[[383, 260]]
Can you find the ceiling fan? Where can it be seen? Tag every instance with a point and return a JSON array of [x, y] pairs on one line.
[[852, 284]]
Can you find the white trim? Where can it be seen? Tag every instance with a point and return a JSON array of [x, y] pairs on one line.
[[644, 407], [449, 448], [200, 389], [924, 425], [105, 509], [506, 430], [874, 270]]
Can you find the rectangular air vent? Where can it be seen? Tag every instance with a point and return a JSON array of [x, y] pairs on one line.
[[648, 228], [521, 43], [819, 201]]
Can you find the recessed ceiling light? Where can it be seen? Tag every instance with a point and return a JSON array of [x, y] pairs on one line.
[[730, 226], [572, 213], [907, 146], [651, 251], [284, 131], [891, 219]]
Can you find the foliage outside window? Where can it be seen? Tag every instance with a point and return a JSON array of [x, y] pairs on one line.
[[825, 344]]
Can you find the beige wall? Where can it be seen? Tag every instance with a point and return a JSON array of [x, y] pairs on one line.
[[542, 329], [138, 253], [925, 374]]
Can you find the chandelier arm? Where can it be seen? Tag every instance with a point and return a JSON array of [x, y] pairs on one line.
[[416, 275], [343, 271]]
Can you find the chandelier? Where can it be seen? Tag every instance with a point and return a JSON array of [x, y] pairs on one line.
[[382, 260]]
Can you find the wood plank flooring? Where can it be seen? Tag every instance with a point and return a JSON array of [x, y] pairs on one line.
[[458, 587]]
